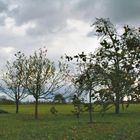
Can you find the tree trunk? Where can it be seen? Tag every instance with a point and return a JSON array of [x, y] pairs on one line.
[[17, 106], [117, 104], [36, 108], [90, 108]]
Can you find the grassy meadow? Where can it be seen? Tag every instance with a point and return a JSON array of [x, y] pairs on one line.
[[65, 126]]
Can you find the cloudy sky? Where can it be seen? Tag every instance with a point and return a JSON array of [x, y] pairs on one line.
[[63, 26]]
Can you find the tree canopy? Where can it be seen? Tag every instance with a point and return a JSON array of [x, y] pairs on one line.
[[112, 71]]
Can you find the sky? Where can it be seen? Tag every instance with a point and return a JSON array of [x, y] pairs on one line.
[[62, 26]]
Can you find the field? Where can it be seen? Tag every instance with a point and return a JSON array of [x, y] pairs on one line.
[[65, 126]]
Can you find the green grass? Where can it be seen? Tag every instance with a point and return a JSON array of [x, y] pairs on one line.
[[65, 126]]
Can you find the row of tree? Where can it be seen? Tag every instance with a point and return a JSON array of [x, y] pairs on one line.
[[35, 75], [108, 75]]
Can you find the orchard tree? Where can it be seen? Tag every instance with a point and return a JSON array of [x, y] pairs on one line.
[[44, 78], [84, 79], [119, 57], [13, 79], [78, 109], [131, 39]]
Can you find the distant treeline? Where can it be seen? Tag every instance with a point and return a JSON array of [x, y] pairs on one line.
[[10, 102], [6, 101]]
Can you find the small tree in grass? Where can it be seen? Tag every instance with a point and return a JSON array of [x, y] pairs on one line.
[[84, 80], [44, 79], [77, 102], [53, 110], [13, 79]]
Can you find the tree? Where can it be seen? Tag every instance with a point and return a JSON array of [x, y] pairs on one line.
[[84, 80], [119, 57], [58, 98], [44, 79], [53, 110], [77, 102], [13, 79]]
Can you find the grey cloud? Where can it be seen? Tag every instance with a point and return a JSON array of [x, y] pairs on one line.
[[51, 16], [35, 31], [50, 19], [48, 15], [123, 10], [90, 34], [56, 12], [118, 10], [88, 9], [3, 6], [2, 18], [3, 11]]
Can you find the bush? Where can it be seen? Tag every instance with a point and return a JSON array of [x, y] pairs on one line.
[[53, 110]]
